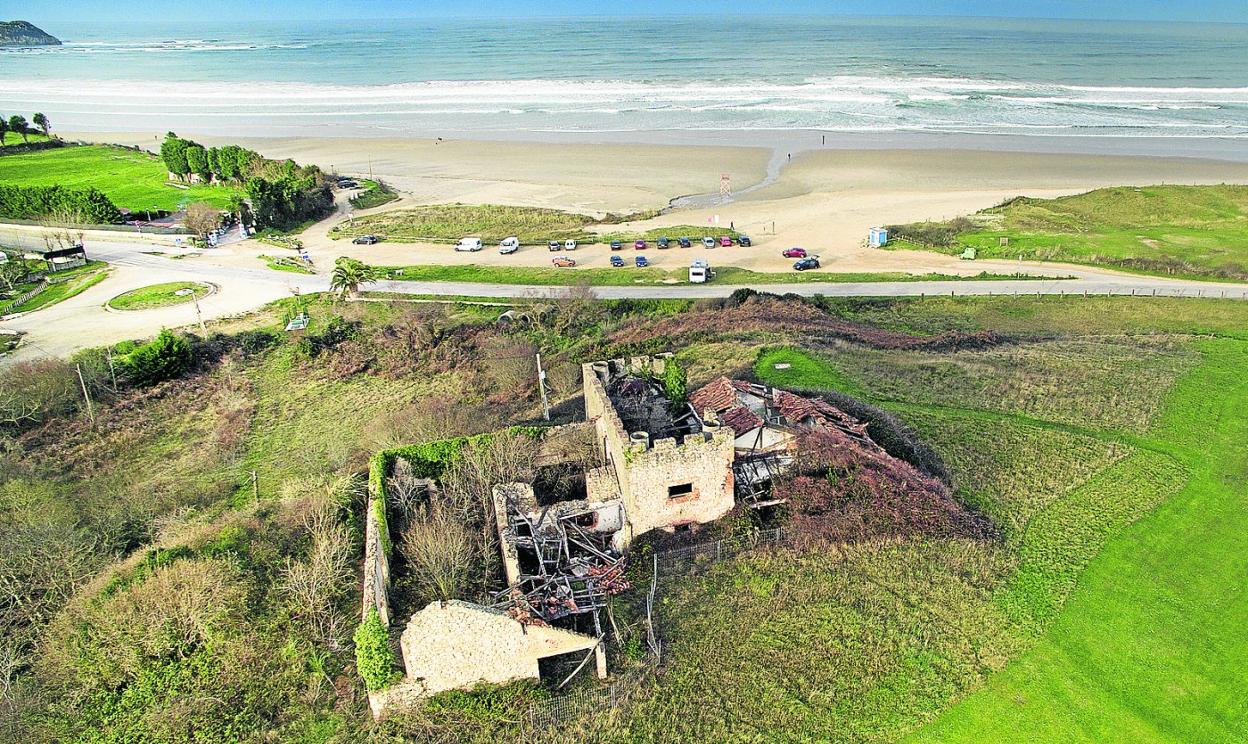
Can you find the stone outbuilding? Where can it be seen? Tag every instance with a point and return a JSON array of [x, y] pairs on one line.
[[455, 644]]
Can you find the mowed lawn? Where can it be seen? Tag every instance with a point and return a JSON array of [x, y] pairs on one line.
[[132, 179], [1151, 644]]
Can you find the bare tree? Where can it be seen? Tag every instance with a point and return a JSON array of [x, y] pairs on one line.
[[468, 486], [405, 493], [202, 218], [441, 553], [33, 391], [315, 583]]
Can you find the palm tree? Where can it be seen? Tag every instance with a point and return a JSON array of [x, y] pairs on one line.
[[17, 123], [349, 274], [43, 122]]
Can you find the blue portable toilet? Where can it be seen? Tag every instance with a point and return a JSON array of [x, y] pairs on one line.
[[878, 237]]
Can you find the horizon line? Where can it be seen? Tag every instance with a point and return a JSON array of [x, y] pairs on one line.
[[769, 14]]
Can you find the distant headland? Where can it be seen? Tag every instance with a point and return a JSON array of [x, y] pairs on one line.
[[25, 33]]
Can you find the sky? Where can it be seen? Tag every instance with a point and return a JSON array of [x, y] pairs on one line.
[[52, 11]]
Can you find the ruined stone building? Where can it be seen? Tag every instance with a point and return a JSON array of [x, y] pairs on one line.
[[639, 462]]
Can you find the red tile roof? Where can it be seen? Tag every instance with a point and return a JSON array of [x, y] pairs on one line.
[[740, 419], [718, 395]]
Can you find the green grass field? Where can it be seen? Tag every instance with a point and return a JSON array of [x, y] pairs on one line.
[[13, 138], [132, 179], [629, 275], [160, 295], [493, 222], [1150, 645], [1192, 231], [1124, 536]]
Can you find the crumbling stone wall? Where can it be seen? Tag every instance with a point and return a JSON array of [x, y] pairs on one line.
[[458, 644], [644, 471], [376, 591], [704, 464]]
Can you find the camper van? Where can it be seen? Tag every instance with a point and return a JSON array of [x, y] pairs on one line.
[[468, 244], [700, 272]]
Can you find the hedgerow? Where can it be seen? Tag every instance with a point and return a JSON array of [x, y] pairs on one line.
[[58, 203]]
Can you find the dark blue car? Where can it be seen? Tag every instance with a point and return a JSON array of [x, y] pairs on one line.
[[617, 261], [641, 262]]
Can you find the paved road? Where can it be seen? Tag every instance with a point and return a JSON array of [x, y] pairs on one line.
[[82, 321]]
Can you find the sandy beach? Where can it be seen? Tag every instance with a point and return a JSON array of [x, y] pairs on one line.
[[821, 199]]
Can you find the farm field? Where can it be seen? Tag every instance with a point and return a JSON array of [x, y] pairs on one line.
[[132, 179], [1192, 231], [1094, 610]]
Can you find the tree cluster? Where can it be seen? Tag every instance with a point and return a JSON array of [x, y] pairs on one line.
[[282, 193], [17, 124]]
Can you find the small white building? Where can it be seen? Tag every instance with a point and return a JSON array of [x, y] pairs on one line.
[[877, 237]]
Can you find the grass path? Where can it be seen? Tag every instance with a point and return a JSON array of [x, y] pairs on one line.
[[1150, 645]]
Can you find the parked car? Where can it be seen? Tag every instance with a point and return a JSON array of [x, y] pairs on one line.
[[562, 261], [468, 244], [708, 241], [639, 245], [794, 253], [617, 262], [348, 185], [725, 241], [509, 245], [664, 242], [744, 241], [617, 245], [569, 244], [684, 242], [554, 245], [641, 262], [806, 263], [366, 240]]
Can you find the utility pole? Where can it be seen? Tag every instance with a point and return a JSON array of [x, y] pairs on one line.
[[198, 314], [85, 395], [541, 385]]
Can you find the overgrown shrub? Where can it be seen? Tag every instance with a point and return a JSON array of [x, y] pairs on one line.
[[163, 358], [843, 491], [891, 433], [32, 392], [373, 656], [675, 383]]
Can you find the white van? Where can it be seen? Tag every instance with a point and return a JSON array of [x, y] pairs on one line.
[[700, 272], [569, 244], [468, 244], [509, 245]]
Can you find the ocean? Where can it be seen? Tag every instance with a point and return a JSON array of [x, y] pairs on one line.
[[1029, 78]]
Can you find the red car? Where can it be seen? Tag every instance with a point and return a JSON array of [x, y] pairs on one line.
[[795, 253], [725, 241], [640, 245]]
